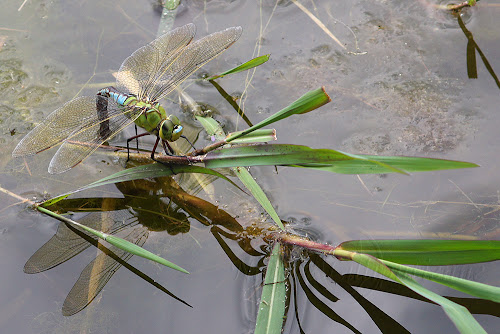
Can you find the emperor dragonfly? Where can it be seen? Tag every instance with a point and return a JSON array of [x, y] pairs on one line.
[[144, 78]]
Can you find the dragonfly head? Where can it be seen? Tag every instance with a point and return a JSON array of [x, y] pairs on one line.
[[170, 129]]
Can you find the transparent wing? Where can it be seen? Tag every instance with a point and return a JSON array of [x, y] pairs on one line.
[[96, 127], [66, 244], [154, 70], [57, 126], [191, 58], [138, 72], [98, 272], [81, 125]]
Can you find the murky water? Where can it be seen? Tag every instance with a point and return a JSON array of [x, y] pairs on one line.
[[400, 87]]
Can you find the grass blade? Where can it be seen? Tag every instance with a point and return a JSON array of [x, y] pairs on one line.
[[262, 135], [214, 129], [459, 315], [408, 164], [272, 303], [477, 289], [324, 159], [428, 252], [257, 192], [306, 103], [139, 251], [116, 241], [141, 172], [243, 67]]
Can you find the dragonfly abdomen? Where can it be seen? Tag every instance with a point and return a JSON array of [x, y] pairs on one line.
[[119, 97]]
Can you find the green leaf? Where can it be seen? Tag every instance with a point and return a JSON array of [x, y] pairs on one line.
[[428, 252], [214, 129], [461, 317], [367, 261], [171, 4], [408, 164], [243, 67], [116, 241], [257, 192], [273, 299], [139, 251], [323, 159], [54, 200], [477, 289], [306, 103], [145, 171], [211, 127], [262, 135]]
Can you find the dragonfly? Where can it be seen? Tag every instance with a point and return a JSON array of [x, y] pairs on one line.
[[152, 72]]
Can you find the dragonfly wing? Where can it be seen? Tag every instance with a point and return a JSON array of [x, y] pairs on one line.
[[175, 71], [56, 127], [138, 71], [96, 127], [66, 243], [98, 272]]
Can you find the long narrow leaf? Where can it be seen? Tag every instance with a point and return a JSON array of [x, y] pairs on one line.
[[257, 192], [272, 303], [428, 252], [243, 67], [262, 135], [141, 172], [367, 261], [323, 159], [306, 103], [408, 164], [477, 289], [116, 241], [139, 251], [461, 317], [214, 129]]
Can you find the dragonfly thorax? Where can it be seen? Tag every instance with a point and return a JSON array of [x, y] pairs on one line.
[[154, 119], [152, 116]]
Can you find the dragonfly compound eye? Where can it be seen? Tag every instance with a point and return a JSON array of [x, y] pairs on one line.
[[170, 130]]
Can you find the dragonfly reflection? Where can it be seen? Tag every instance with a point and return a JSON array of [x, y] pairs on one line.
[[141, 211], [67, 243]]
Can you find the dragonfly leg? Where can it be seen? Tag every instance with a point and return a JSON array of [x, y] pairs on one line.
[[166, 151], [194, 148], [166, 145], [136, 137], [154, 149]]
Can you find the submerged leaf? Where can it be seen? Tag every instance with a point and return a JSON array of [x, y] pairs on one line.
[[272, 303]]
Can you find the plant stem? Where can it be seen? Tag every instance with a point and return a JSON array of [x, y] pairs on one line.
[[291, 239]]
